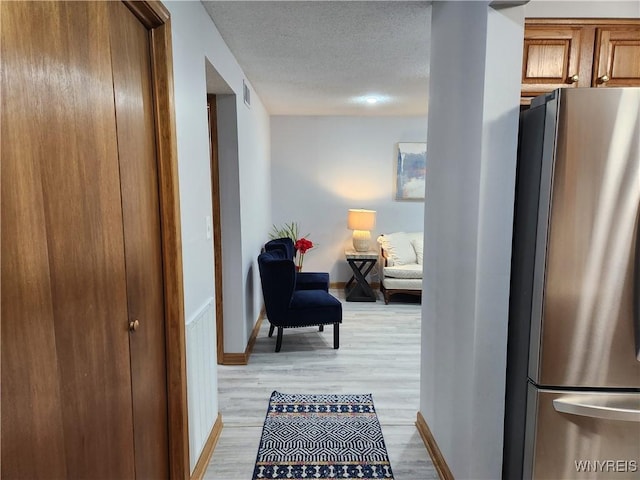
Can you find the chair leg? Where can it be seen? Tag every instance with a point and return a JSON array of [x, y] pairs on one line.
[[279, 339], [336, 335], [271, 327], [321, 328]]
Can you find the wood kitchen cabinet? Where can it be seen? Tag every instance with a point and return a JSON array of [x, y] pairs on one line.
[[569, 53], [617, 57]]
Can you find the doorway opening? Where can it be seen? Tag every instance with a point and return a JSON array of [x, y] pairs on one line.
[[225, 219]]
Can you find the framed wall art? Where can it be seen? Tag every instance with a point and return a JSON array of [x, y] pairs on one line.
[[410, 171]]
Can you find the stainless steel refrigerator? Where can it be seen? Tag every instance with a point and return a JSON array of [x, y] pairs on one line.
[[573, 359]]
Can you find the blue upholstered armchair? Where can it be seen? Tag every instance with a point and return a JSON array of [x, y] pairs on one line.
[[288, 307], [304, 280]]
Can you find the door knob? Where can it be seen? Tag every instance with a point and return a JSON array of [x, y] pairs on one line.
[[574, 78], [604, 79], [133, 325]]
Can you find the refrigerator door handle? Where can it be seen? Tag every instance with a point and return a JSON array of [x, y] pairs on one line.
[[621, 406], [636, 289]]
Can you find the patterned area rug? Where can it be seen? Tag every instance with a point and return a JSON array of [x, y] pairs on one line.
[[322, 436]]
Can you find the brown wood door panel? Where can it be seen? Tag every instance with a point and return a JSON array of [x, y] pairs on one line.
[[31, 400], [68, 263], [551, 57], [65, 352], [139, 184], [617, 57]]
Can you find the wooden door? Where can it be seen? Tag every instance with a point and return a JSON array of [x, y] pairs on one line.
[[551, 59], [82, 397], [131, 59], [617, 62], [66, 376]]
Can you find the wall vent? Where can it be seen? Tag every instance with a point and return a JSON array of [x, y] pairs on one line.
[[246, 94]]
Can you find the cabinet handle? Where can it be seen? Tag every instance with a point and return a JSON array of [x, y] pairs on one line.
[[574, 78], [133, 325], [604, 79]]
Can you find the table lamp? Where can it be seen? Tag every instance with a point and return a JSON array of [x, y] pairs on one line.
[[361, 222]]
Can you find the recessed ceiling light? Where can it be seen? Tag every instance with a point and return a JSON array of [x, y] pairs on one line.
[[371, 99]]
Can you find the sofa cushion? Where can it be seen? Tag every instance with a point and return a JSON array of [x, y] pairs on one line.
[[391, 283], [403, 271], [398, 248], [414, 236], [417, 240]]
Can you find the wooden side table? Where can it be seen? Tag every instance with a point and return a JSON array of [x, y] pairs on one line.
[[357, 288]]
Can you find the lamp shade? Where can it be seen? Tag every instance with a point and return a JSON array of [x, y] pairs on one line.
[[359, 219]]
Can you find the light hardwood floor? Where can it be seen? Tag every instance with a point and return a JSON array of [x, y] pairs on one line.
[[379, 354]]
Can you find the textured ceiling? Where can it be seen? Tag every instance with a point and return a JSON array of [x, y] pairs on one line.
[[324, 57]]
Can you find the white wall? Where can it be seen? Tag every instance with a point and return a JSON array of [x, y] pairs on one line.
[[322, 166], [472, 140], [195, 38], [254, 149]]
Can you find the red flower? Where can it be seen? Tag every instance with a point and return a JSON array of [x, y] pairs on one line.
[[302, 245]]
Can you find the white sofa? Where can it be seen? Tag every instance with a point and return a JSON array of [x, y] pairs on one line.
[[400, 263]]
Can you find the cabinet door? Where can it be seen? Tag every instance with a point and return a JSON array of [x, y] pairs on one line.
[[551, 59], [617, 53]]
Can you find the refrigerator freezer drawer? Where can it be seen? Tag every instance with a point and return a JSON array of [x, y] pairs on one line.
[[582, 435]]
